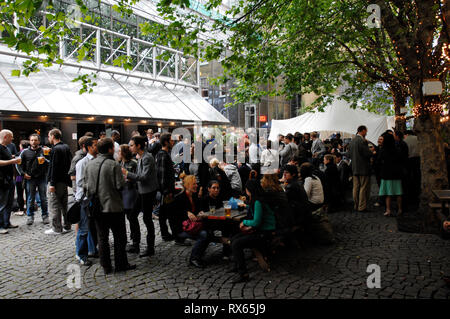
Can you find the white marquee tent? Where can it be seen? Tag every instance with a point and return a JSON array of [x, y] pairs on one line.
[[337, 117]]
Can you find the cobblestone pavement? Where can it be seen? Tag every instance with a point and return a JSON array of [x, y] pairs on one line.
[[34, 265]]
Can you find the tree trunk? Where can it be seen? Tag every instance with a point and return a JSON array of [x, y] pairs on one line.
[[432, 159], [399, 99]]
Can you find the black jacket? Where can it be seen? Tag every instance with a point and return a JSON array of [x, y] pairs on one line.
[[58, 170], [298, 200], [154, 148], [30, 163], [391, 164], [182, 205], [165, 172]]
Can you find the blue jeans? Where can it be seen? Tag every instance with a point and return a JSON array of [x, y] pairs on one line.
[[203, 240], [91, 243], [81, 242], [6, 202], [41, 185]]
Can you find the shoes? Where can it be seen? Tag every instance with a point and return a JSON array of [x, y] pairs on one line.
[[127, 267], [241, 278], [168, 238], [107, 270], [234, 269], [196, 263], [66, 230], [94, 255], [52, 232], [30, 220], [155, 217], [387, 214], [12, 226], [377, 205], [3, 231], [19, 213], [84, 261], [147, 253], [182, 243], [45, 220], [133, 249]]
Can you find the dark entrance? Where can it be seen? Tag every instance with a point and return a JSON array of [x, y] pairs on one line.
[[83, 128], [22, 130]]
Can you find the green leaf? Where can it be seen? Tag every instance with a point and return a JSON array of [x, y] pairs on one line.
[[15, 73]]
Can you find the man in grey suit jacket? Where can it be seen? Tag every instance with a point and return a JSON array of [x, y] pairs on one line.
[[103, 173], [360, 154], [147, 181]]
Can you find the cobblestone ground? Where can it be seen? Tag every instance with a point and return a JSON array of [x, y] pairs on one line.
[[34, 265]]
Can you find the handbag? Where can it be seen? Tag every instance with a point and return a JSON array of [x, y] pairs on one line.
[[192, 228], [73, 214]]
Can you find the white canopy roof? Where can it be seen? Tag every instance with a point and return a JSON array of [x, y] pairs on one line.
[[337, 117], [52, 91]]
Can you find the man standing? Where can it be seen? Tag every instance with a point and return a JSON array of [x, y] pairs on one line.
[[58, 181], [77, 157], [115, 135], [6, 180], [103, 178], [85, 224], [154, 145], [288, 152], [147, 181], [166, 179], [307, 143], [34, 169], [317, 149], [149, 136], [360, 155]]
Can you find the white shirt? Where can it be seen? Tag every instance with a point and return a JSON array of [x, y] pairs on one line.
[[411, 141], [269, 157], [253, 153], [116, 150], [314, 190], [79, 171]]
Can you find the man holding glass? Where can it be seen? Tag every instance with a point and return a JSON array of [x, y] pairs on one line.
[[6, 180], [34, 169]]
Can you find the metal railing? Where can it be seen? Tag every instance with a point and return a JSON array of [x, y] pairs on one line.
[[144, 59]]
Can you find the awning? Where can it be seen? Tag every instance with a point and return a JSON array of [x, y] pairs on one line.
[[51, 91]]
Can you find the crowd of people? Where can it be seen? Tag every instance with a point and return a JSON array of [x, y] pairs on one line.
[[112, 183]]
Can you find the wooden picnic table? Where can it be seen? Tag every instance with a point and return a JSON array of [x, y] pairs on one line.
[[443, 195], [219, 214]]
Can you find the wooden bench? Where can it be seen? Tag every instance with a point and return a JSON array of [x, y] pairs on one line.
[[437, 210]]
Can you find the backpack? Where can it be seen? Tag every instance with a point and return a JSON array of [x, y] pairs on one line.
[[95, 206]]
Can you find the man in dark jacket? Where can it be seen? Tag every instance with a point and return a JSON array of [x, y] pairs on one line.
[[34, 169], [6, 180], [360, 155], [147, 181], [154, 145], [166, 179], [103, 178], [58, 181]]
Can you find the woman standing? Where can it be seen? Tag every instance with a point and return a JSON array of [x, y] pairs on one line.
[[130, 196], [391, 173]]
